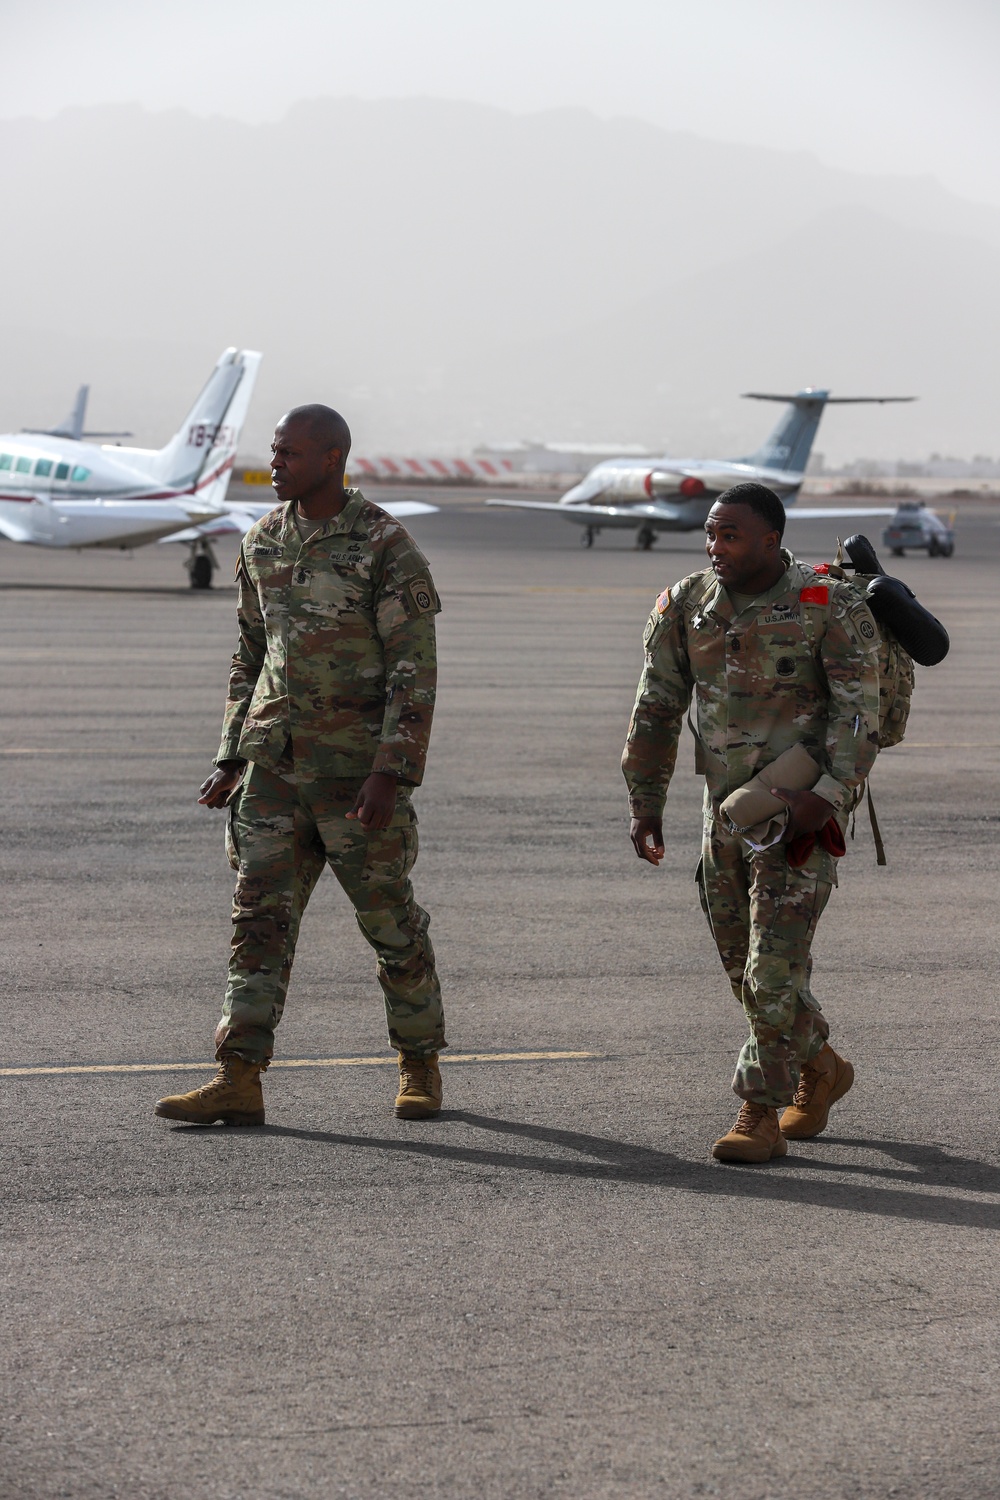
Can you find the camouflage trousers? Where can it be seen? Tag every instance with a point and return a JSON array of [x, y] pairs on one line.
[[763, 915], [280, 835]]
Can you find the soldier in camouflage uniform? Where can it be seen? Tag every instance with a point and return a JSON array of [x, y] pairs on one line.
[[328, 717], [772, 654]]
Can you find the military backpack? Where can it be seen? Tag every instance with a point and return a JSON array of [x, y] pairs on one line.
[[908, 633]]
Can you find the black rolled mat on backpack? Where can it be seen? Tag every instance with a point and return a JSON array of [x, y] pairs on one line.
[[920, 633], [915, 628]]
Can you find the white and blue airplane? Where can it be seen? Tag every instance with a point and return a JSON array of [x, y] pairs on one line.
[[59, 490], [670, 494]]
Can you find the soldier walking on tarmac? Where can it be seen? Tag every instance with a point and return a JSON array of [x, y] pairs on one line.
[[331, 693], [773, 655]]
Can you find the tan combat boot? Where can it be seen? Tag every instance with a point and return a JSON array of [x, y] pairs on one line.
[[419, 1094], [755, 1137], [822, 1082], [233, 1096]]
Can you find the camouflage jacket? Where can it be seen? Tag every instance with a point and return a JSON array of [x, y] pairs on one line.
[[336, 646], [799, 665]]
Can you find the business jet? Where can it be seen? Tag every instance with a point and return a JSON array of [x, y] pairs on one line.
[[59, 490], [676, 494]]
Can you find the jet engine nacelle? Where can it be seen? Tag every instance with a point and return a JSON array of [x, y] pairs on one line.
[[660, 483]]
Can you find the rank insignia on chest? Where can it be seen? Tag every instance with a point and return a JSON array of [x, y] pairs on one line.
[[817, 593], [663, 602]]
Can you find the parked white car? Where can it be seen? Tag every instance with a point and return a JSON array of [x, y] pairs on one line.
[[914, 526]]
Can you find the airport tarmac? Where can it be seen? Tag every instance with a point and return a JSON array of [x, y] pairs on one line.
[[551, 1290]]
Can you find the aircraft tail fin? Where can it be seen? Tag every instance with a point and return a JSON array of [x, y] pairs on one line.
[[200, 455], [789, 445], [72, 426]]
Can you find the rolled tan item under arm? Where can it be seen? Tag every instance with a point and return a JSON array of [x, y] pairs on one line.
[[751, 810]]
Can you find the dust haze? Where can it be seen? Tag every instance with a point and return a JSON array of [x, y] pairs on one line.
[[451, 273]]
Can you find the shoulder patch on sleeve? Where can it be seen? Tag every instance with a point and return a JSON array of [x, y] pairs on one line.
[[862, 622], [421, 596], [663, 602], [817, 593]]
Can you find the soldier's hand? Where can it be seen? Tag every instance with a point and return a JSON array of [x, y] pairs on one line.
[[647, 838], [807, 813], [376, 802], [217, 789]]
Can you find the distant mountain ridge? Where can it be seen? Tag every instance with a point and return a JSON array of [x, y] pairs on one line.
[[422, 263]]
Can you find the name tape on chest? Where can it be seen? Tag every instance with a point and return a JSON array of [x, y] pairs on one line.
[[259, 551]]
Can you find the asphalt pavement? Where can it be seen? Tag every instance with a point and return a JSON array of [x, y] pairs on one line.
[[551, 1290]]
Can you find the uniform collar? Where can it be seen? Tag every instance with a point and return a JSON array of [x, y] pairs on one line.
[[335, 526], [718, 603]]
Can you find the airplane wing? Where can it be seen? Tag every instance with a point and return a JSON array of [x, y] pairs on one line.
[[237, 519], [233, 523], [656, 512], [661, 511], [839, 513], [400, 509]]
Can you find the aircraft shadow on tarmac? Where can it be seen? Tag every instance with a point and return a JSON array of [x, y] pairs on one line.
[[923, 1166]]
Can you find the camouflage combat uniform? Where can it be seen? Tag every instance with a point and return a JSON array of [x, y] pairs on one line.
[[334, 678], [798, 665]]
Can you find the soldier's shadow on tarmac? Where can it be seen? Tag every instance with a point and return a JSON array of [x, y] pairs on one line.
[[918, 1166]]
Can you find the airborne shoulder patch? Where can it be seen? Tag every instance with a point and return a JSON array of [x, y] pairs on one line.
[[422, 596], [861, 618]]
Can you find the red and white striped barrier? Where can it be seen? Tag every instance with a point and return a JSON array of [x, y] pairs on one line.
[[432, 470]]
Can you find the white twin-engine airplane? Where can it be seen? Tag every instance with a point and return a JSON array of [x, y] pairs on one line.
[[676, 494], [57, 490]]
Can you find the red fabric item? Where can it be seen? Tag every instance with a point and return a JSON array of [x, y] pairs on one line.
[[831, 836], [823, 568], [818, 594], [797, 851], [831, 839]]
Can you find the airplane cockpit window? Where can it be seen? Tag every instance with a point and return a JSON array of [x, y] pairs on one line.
[[62, 471], [23, 466], [79, 474], [6, 459], [43, 466]]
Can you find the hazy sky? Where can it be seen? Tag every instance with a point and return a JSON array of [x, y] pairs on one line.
[[871, 85]]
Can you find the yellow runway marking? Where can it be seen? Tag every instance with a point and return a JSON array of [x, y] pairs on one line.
[[301, 1062]]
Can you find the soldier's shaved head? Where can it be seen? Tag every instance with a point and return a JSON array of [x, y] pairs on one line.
[[322, 424], [308, 458]]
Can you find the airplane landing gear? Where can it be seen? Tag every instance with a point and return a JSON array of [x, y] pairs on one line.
[[201, 563], [587, 536], [645, 538]]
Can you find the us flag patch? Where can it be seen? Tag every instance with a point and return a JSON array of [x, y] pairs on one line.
[[663, 602]]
